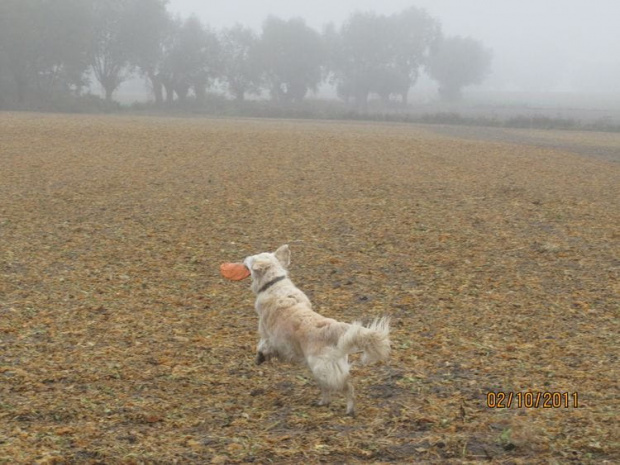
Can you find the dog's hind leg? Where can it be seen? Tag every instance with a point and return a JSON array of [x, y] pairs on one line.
[[350, 398], [326, 397], [333, 376]]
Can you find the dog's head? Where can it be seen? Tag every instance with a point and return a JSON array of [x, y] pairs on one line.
[[266, 266]]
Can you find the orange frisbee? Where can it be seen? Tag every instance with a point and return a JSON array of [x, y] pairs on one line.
[[234, 271]]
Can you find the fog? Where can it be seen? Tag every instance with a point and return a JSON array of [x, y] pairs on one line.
[[538, 46], [426, 56]]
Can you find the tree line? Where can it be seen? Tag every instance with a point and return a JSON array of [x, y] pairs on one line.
[[55, 49]]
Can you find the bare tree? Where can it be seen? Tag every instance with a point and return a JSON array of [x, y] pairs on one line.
[[111, 51], [241, 69], [43, 48], [292, 54], [380, 54], [358, 51], [415, 35], [192, 61], [17, 47], [459, 62], [149, 36]]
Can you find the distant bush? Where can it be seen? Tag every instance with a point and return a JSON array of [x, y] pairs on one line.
[[87, 103], [215, 104], [603, 125], [542, 122], [518, 122], [67, 103]]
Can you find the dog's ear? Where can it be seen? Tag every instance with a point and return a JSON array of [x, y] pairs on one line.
[[283, 254], [260, 265]]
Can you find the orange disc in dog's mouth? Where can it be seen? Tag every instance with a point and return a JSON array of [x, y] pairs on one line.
[[234, 271]]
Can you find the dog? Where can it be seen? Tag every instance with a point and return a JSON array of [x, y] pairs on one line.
[[291, 331]]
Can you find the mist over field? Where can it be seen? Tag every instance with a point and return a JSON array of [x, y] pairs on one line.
[[553, 45], [475, 60]]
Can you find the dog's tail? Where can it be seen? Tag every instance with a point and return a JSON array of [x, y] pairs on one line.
[[373, 340]]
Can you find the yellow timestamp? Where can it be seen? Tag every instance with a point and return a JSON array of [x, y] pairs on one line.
[[531, 399]]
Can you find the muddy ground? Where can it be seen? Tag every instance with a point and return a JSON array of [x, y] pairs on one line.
[[498, 261]]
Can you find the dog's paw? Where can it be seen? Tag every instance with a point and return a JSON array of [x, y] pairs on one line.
[[260, 358]]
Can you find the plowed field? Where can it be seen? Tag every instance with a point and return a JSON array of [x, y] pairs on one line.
[[120, 343]]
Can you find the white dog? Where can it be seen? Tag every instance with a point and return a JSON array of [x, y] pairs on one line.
[[290, 330]]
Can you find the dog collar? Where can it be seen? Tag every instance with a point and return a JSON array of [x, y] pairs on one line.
[[270, 283]]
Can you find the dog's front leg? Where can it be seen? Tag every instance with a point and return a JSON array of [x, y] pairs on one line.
[[263, 352]]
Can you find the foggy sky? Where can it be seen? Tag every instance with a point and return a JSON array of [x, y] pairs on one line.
[[538, 45]]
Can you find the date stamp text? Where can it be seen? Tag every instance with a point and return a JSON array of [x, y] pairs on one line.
[[530, 399]]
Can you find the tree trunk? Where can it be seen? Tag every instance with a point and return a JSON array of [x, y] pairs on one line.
[[21, 86], [109, 84], [182, 90], [385, 98], [109, 90], [158, 90], [169, 88], [239, 94], [450, 93], [361, 101], [201, 93], [405, 97]]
